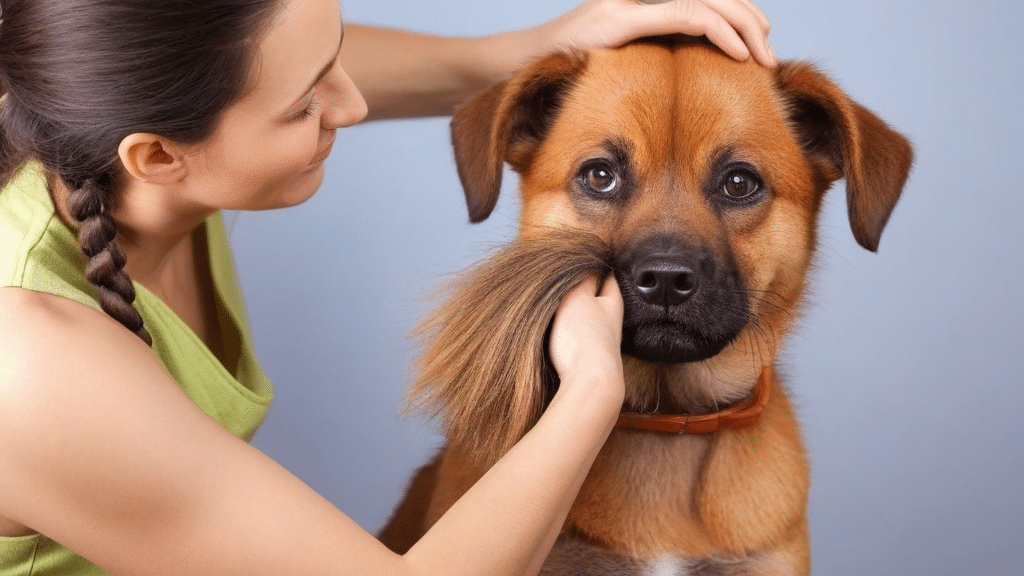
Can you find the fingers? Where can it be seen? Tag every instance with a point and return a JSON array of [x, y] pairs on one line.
[[738, 27], [606, 290], [587, 287], [715, 26], [587, 331], [592, 307], [762, 20], [610, 291], [600, 296], [746, 19]]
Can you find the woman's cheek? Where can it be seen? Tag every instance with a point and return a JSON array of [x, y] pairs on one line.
[[301, 147]]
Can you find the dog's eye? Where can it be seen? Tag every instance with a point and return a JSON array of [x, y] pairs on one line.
[[741, 185], [599, 179]]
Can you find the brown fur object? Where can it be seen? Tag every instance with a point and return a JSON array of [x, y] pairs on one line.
[[492, 330], [697, 181]]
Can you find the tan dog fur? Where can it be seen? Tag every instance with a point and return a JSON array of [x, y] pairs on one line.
[[728, 503]]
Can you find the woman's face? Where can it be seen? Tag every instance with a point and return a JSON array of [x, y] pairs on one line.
[[269, 147]]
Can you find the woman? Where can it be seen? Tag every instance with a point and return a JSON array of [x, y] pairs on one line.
[[125, 127]]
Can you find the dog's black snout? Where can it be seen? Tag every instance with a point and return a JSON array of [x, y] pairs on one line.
[[665, 283]]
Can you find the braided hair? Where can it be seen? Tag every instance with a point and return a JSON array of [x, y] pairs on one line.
[[78, 76], [87, 204]]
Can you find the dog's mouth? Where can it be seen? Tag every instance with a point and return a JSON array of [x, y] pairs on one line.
[[681, 304], [671, 343]]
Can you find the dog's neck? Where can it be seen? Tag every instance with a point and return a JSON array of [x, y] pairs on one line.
[[741, 414]]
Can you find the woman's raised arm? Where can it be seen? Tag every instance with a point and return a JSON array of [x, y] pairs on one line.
[[406, 74]]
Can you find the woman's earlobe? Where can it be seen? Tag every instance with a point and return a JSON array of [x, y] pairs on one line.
[[151, 158]]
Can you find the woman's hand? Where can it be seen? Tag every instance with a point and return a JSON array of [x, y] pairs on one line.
[[585, 339], [738, 27], [404, 74], [510, 518]]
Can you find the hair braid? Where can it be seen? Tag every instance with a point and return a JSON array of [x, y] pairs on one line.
[[88, 204]]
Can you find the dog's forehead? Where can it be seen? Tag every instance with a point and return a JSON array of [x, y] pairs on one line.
[[692, 100], [670, 118]]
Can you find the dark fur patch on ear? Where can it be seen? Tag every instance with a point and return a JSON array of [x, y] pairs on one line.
[[818, 134], [506, 123], [843, 139], [482, 369], [533, 115]]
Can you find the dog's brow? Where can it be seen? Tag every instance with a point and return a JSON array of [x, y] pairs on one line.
[[620, 149], [724, 156]]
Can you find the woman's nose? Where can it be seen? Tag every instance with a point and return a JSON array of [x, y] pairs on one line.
[[345, 105]]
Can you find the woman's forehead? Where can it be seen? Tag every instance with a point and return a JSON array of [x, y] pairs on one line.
[[302, 38]]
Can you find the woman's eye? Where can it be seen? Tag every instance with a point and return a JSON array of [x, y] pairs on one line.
[[308, 111], [600, 179], [740, 185]]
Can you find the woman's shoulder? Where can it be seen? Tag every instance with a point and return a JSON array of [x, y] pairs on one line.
[[93, 429], [26, 314], [47, 341]]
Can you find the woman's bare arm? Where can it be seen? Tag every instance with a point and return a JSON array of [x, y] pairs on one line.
[[406, 74], [103, 452]]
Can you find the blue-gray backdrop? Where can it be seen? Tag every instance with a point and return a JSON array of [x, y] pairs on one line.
[[906, 369]]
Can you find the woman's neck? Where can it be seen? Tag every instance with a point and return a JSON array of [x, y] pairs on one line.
[[154, 232], [165, 250]]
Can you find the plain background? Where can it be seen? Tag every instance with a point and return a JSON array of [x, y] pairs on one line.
[[906, 368]]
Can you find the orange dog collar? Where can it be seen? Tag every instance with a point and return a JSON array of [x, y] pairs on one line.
[[740, 415]]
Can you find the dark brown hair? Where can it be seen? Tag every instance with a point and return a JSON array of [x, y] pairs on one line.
[[78, 76]]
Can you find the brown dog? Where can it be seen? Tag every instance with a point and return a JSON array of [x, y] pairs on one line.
[[697, 181]]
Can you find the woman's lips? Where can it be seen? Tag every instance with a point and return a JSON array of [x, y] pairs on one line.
[[322, 154]]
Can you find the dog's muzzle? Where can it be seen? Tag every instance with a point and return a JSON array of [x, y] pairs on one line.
[[682, 302]]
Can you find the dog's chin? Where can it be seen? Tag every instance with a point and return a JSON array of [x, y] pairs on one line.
[[671, 345]]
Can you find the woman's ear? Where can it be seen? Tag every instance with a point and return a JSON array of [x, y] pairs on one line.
[[152, 159]]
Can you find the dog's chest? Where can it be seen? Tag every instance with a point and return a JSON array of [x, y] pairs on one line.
[[667, 566], [574, 557]]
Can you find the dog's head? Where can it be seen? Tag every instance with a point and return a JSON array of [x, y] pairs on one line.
[[701, 177]]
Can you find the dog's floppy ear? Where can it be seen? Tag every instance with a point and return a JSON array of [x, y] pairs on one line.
[[507, 122], [844, 139]]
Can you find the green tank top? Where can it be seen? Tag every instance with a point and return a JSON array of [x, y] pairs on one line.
[[38, 252]]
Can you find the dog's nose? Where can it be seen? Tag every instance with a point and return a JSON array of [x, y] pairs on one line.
[[665, 283]]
